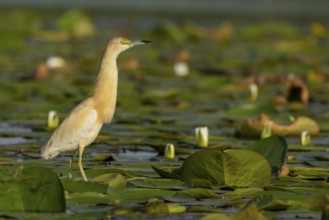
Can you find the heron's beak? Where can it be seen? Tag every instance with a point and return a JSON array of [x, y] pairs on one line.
[[139, 42]]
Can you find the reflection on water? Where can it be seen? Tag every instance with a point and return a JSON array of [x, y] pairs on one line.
[[12, 140], [136, 155], [8, 128]]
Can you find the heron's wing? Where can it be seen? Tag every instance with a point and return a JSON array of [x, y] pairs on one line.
[[78, 127]]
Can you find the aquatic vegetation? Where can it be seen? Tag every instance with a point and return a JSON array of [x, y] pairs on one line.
[[131, 176]]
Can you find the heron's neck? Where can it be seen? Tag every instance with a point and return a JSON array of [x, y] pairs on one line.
[[105, 94]]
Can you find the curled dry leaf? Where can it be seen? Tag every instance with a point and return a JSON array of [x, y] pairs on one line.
[[297, 91], [284, 170], [254, 127]]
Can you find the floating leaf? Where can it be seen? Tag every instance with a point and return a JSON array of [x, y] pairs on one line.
[[168, 31], [200, 193], [165, 174], [76, 23], [88, 197], [115, 180], [234, 168], [82, 186], [310, 172], [315, 203], [251, 212], [137, 194], [161, 183], [158, 207], [31, 189], [274, 149], [215, 216], [250, 109], [245, 192]]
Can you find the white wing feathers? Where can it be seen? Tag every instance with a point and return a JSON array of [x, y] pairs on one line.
[[80, 127]]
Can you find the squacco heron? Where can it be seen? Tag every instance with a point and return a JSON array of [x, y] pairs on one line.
[[82, 125]]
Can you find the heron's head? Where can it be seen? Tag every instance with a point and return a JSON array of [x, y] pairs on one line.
[[120, 44]]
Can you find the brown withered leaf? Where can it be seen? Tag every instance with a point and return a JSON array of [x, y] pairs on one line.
[[254, 127], [297, 91]]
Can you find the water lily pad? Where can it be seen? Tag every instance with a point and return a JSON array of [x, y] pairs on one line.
[[88, 197], [234, 168], [159, 207], [245, 192], [161, 183], [200, 193], [309, 172], [168, 31], [165, 174], [215, 216], [137, 195], [251, 212], [115, 180], [269, 202], [31, 189], [76, 24], [274, 149], [81, 186], [315, 203]]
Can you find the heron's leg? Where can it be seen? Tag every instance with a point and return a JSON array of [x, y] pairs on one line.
[[81, 148], [71, 163]]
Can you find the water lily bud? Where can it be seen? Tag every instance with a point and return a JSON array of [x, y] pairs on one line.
[[267, 131], [170, 151], [55, 62], [201, 134], [305, 138], [181, 69], [53, 119], [253, 88]]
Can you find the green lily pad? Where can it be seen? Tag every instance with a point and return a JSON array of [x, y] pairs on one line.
[[159, 207], [315, 203], [269, 202], [77, 24], [200, 193], [88, 197], [137, 195], [215, 216], [309, 172], [161, 183], [115, 180], [274, 149], [233, 168], [165, 174], [245, 192], [250, 212], [31, 189], [82, 186]]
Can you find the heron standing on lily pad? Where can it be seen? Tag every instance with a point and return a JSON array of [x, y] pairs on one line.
[[82, 125]]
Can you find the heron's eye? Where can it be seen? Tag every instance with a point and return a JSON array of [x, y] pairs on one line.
[[125, 42]]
